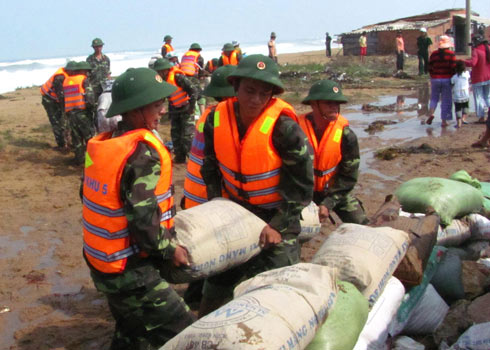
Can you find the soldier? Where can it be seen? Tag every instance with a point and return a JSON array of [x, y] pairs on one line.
[[192, 62], [211, 65], [101, 67], [272, 47], [236, 45], [229, 56], [128, 211], [79, 108], [182, 104], [257, 153], [167, 46], [53, 103], [337, 158]]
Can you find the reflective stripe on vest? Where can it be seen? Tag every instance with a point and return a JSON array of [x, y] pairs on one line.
[[107, 243], [232, 60], [188, 64], [74, 92], [179, 98], [250, 167], [328, 152], [47, 88]]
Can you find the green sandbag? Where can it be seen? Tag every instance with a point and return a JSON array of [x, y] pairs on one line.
[[485, 189], [345, 321], [463, 176], [449, 198]]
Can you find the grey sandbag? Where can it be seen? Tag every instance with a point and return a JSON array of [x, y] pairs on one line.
[[345, 321], [449, 198], [448, 277]]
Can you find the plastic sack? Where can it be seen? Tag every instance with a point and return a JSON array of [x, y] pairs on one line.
[[448, 278], [454, 234], [479, 226], [345, 321], [477, 337], [310, 223], [406, 343], [449, 198]]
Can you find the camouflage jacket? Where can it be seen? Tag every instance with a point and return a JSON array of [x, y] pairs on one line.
[[191, 87], [101, 69], [138, 182], [347, 172], [296, 176]]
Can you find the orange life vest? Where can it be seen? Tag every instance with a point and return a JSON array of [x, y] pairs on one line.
[[233, 59], [179, 98], [74, 92], [188, 64], [106, 238], [211, 66], [250, 167], [328, 152], [168, 48], [47, 87]]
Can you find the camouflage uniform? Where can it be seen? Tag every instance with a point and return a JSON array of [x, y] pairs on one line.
[[338, 197], [55, 111], [182, 119], [148, 312], [101, 69], [82, 125], [295, 187]]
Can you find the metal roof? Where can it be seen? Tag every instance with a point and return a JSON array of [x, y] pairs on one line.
[[399, 25], [478, 19]]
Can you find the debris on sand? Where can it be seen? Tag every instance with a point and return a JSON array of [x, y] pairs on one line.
[[378, 125], [392, 152], [393, 107]]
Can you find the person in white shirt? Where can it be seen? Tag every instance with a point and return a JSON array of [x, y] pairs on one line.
[[461, 92]]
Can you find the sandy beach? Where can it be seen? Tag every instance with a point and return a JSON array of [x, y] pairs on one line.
[[47, 299]]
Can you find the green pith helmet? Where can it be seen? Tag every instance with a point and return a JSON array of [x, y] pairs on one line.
[[259, 67], [97, 42], [195, 46], [228, 47], [162, 64], [273, 34], [326, 90], [137, 87], [219, 85], [167, 37], [71, 65], [83, 65]]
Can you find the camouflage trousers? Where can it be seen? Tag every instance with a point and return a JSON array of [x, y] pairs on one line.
[[181, 131], [82, 129], [350, 210], [283, 254], [148, 317], [57, 120]]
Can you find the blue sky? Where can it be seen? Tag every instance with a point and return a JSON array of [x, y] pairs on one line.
[[49, 28]]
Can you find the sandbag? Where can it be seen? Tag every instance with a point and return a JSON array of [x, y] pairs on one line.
[[485, 189], [218, 235], [277, 309], [406, 343], [477, 337], [448, 278], [310, 223], [365, 256], [479, 226], [345, 321], [449, 198], [454, 234], [463, 176], [375, 332]]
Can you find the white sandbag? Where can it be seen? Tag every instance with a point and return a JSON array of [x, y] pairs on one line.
[[365, 256], [479, 226], [484, 261], [477, 337], [428, 314], [310, 223], [217, 235], [454, 234], [406, 343], [277, 309], [375, 332]]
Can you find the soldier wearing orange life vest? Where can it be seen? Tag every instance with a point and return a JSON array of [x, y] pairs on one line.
[[52, 101], [336, 164], [229, 56], [182, 104], [128, 211], [167, 46], [192, 62], [256, 152]]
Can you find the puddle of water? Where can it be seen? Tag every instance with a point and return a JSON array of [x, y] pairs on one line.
[[10, 248], [26, 229], [12, 324]]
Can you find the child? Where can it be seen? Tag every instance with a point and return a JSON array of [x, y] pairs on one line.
[[461, 93]]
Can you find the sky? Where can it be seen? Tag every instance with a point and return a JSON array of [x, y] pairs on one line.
[[42, 29]]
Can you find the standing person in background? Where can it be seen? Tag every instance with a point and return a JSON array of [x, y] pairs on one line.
[[101, 67], [442, 63], [400, 51], [229, 56], [423, 44], [103, 123], [450, 34], [336, 164], [53, 102], [129, 223], [182, 103], [271, 45], [363, 46], [167, 46], [328, 45], [256, 152], [461, 93], [79, 108]]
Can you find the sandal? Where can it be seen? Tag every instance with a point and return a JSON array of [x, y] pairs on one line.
[[429, 120], [477, 144]]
